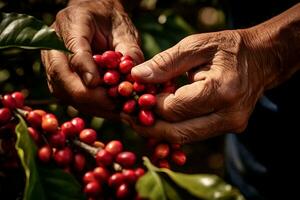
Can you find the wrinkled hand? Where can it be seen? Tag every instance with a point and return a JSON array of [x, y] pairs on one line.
[[87, 27], [227, 78]]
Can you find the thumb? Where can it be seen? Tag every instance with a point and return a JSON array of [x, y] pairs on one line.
[[188, 53]]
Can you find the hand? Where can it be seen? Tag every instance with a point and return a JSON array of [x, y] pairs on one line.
[[87, 27], [227, 75]]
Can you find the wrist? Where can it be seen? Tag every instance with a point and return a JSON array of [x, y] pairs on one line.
[[275, 46]]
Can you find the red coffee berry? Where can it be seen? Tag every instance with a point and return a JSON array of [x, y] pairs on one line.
[[44, 154], [8, 101], [101, 174], [111, 59], [146, 117], [129, 176], [19, 99], [88, 177], [34, 134], [151, 89], [114, 147], [63, 157], [129, 106], [129, 78], [125, 66], [5, 115], [164, 164], [179, 157], [161, 151], [49, 123], [175, 146], [169, 89], [119, 54], [111, 77], [139, 172], [138, 87], [68, 129], [125, 89], [92, 189], [151, 143], [40, 112], [123, 191], [126, 159], [116, 179], [57, 139], [34, 119], [147, 101], [113, 91], [88, 136], [78, 123], [103, 157], [79, 162], [98, 60], [126, 57]]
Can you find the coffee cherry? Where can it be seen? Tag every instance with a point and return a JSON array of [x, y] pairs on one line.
[[120, 55], [113, 91], [68, 129], [169, 89], [125, 66], [175, 146], [34, 134], [126, 57], [98, 60], [161, 151], [126, 159], [147, 101], [101, 174], [18, 98], [49, 123], [179, 157], [99, 144], [146, 117], [110, 59], [129, 176], [57, 139], [44, 154], [103, 157], [88, 136], [34, 119], [88, 177], [111, 77], [78, 123], [40, 112], [92, 189], [139, 172], [138, 87], [151, 89], [164, 164], [8, 101], [79, 162], [116, 179], [123, 191], [5, 115], [63, 157], [129, 106], [125, 89], [129, 78], [114, 147]]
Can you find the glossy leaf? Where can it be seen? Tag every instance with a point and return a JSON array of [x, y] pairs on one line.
[[25, 31], [186, 186], [43, 182]]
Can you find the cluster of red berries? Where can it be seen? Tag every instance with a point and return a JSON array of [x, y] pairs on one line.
[[110, 174], [136, 98]]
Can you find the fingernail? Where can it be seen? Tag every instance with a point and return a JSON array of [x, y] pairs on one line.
[[87, 78], [142, 71]]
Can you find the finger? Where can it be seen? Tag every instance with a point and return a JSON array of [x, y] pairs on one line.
[[190, 101], [188, 53], [77, 30], [125, 38], [68, 86], [183, 132]]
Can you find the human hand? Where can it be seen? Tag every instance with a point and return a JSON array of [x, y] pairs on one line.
[[228, 74], [86, 27]]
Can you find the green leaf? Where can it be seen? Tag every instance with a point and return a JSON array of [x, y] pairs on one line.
[[43, 182], [150, 186], [187, 186], [25, 31]]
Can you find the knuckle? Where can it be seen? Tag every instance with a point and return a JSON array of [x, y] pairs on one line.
[[164, 62], [178, 135], [239, 122]]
